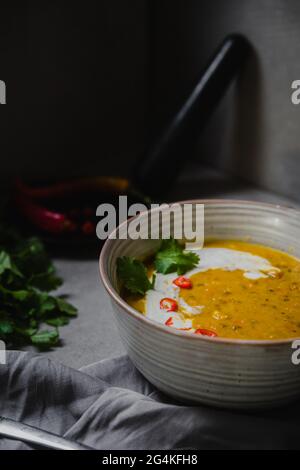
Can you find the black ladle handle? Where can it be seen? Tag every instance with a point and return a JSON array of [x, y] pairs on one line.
[[162, 164]]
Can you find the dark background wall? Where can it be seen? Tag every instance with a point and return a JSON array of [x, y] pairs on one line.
[[76, 80], [256, 132], [87, 84]]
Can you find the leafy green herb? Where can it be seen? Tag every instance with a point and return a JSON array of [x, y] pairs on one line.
[[65, 307], [45, 338], [58, 321], [133, 274], [27, 277], [6, 327], [172, 257]]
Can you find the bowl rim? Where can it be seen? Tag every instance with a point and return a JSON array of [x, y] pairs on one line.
[[105, 252]]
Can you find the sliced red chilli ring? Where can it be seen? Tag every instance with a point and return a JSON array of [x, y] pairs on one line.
[[170, 305], [183, 282], [169, 322], [204, 332]]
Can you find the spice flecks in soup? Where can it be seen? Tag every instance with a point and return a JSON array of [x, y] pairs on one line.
[[238, 290]]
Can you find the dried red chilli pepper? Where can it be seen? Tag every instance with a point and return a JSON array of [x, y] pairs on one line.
[[57, 190], [183, 282], [203, 332], [170, 305], [44, 219]]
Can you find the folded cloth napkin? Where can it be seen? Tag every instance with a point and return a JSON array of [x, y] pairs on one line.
[[109, 406]]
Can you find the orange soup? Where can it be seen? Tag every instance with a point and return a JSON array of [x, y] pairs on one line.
[[239, 290]]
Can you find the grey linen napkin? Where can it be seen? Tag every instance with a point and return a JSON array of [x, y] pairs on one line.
[[109, 406]]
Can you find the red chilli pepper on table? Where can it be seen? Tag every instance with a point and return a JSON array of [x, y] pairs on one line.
[[183, 282], [57, 190], [204, 332], [170, 305], [27, 197], [44, 219]]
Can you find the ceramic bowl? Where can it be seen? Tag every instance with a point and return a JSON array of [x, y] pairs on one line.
[[220, 372]]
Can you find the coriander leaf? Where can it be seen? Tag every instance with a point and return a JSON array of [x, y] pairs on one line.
[[133, 274], [66, 307], [5, 262], [45, 338], [172, 257], [6, 327], [58, 321], [46, 281], [20, 295], [27, 332], [26, 278], [31, 258], [46, 303]]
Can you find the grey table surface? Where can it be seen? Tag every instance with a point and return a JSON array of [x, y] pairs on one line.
[[93, 335]]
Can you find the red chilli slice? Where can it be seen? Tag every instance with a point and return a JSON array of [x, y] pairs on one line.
[[169, 322], [170, 305], [206, 333], [183, 282]]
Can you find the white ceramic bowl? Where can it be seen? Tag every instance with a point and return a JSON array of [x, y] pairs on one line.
[[215, 371]]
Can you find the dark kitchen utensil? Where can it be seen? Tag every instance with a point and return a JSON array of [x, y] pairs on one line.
[[168, 155]]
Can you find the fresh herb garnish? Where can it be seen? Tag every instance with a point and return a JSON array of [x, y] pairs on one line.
[[171, 257], [26, 278], [133, 274]]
